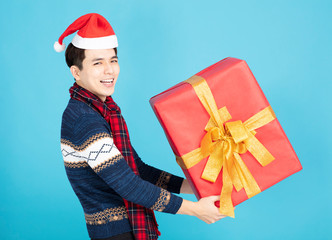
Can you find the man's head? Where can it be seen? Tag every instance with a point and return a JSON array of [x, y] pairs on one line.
[[96, 70], [92, 54]]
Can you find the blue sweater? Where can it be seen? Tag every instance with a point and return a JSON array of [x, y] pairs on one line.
[[101, 177]]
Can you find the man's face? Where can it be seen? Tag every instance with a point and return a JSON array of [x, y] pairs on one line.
[[99, 73]]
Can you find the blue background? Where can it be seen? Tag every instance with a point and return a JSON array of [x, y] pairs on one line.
[[287, 45]]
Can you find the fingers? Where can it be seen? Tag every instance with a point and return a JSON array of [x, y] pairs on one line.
[[213, 220], [208, 212], [221, 217], [214, 198]]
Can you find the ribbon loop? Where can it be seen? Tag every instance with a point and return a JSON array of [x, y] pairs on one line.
[[237, 131], [216, 134]]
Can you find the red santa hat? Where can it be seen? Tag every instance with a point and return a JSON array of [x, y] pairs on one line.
[[94, 32]]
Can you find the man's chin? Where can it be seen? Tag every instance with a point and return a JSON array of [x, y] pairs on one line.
[[109, 93]]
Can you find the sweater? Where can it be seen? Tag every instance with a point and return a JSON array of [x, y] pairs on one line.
[[101, 177]]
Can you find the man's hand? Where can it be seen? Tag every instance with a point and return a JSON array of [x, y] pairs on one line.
[[204, 209], [207, 211]]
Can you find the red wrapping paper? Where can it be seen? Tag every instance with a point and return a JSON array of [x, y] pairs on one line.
[[184, 118]]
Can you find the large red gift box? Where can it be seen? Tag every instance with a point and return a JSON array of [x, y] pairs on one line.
[[184, 115]]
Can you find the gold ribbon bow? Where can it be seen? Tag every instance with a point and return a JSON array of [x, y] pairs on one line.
[[224, 144]]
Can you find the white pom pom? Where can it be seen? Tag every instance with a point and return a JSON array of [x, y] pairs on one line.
[[58, 47]]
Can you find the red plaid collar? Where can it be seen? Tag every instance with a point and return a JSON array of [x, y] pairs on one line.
[[142, 220]]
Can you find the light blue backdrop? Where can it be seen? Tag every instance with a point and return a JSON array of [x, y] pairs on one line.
[[287, 45]]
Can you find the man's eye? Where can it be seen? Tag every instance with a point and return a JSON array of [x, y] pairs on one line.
[[97, 63], [114, 61]]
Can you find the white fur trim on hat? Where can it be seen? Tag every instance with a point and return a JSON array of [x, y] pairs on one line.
[[58, 47], [95, 43]]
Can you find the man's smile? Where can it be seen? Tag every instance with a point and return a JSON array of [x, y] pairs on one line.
[[110, 80]]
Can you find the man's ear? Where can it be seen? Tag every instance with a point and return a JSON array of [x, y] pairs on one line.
[[75, 71]]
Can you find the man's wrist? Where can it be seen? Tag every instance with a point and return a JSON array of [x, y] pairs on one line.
[[188, 208], [185, 187]]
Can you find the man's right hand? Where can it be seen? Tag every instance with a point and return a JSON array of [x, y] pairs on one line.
[[204, 209]]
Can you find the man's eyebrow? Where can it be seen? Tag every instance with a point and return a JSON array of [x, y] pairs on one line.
[[99, 59]]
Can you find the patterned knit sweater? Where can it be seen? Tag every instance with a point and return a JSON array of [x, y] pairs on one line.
[[101, 177]]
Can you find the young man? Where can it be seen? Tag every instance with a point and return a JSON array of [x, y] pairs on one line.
[[118, 192]]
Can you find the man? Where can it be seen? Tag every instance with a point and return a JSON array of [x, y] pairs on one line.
[[118, 192]]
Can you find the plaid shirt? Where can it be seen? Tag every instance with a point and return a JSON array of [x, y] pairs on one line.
[[142, 220]]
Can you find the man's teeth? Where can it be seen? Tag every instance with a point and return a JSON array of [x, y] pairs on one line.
[[107, 81]]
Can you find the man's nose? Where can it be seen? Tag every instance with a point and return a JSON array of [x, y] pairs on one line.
[[108, 68]]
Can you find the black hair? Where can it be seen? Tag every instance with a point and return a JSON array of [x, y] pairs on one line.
[[75, 56]]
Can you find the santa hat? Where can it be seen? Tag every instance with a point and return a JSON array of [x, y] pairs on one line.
[[94, 32]]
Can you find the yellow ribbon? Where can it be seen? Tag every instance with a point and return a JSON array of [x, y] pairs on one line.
[[224, 144]]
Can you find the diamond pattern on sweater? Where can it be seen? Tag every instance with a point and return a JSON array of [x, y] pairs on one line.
[[92, 156]]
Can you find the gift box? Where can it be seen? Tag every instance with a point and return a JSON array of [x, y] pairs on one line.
[[224, 134]]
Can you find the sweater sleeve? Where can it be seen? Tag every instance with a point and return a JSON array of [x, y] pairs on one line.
[[93, 143], [158, 177]]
